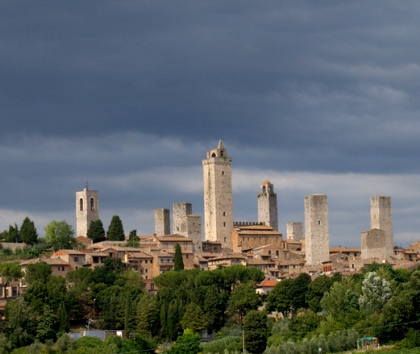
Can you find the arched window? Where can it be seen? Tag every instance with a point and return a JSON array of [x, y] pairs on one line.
[[213, 154], [81, 204], [92, 204], [263, 189]]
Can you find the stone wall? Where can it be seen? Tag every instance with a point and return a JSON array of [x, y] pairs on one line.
[[162, 222]]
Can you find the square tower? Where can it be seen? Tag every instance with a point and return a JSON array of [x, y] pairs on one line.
[[294, 231], [179, 210], [381, 218], [87, 210], [162, 222], [316, 229], [267, 206], [218, 205], [191, 228]]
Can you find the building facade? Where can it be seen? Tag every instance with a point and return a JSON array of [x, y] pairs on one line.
[[267, 206], [162, 222]]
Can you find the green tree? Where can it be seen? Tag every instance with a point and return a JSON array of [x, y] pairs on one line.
[[63, 321], [147, 316], [10, 271], [37, 272], [281, 297], [59, 234], [255, 328], [96, 231], [188, 343], [194, 318], [28, 232], [21, 322], [116, 230], [341, 298], [316, 290], [376, 292], [178, 262], [299, 291], [13, 235], [242, 299], [133, 239]]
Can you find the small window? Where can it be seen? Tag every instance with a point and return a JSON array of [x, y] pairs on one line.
[[224, 224], [224, 213], [81, 204], [76, 259], [319, 222], [92, 204], [223, 173]]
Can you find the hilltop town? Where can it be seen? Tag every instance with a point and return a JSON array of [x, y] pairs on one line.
[[305, 248]]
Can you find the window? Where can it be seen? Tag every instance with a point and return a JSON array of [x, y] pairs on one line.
[[223, 173], [145, 261], [76, 259], [92, 204], [224, 213], [81, 204], [186, 256], [224, 224]]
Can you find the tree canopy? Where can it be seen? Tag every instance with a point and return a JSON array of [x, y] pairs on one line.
[[96, 231], [116, 230], [60, 235], [28, 233], [178, 262]]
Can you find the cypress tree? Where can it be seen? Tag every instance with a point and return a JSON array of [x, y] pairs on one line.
[[96, 231], [28, 232], [178, 262], [116, 230]]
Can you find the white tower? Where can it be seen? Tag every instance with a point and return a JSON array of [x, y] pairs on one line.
[[87, 210], [218, 205], [267, 206], [316, 229]]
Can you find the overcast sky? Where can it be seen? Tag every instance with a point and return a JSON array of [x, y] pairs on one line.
[[315, 96]]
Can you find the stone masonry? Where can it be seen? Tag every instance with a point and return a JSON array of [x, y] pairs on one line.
[[218, 205], [373, 244], [294, 231], [87, 210], [381, 218], [191, 228], [316, 229], [267, 206], [179, 210], [162, 222]]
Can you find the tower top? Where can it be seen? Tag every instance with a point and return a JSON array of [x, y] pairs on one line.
[[220, 151]]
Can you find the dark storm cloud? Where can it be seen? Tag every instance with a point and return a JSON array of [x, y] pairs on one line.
[[129, 95]]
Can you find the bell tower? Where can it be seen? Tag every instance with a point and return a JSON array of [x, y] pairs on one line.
[[87, 210], [267, 206], [218, 205]]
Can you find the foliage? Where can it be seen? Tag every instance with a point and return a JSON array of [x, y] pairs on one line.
[[376, 292], [194, 318], [28, 232], [40, 271], [221, 344], [60, 235], [178, 262], [316, 290], [96, 231], [341, 298], [10, 271], [147, 316], [188, 343], [116, 230], [133, 239], [242, 299], [255, 328], [281, 297], [13, 235]]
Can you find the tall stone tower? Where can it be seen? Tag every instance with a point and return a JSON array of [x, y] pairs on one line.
[[162, 222], [87, 210], [179, 210], [267, 206], [294, 231], [191, 228], [381, 218], [218, 205], [316, 229]]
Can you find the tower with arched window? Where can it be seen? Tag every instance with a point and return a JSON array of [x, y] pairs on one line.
[[218, 205], [87, 210], [267, 206]]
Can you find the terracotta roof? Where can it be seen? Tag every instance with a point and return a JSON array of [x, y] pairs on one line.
[[268, 283], [50, 261], [173, 238]]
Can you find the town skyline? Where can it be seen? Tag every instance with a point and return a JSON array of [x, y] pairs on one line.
[[314, 97]]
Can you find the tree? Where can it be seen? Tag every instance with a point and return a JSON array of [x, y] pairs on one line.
[[147, 316], [316, 291], [59, 234], [375, 293], [133, 239], [10, 271], [341, 298], [96, 231], [242, 299], [13, 235], [178, 262], [299, 291], [116, 230], [28, 232], [255, 328], [40, 271], [188, 343], [281, 297], [194, 318]]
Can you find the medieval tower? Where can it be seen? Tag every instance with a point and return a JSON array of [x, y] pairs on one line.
[[162, 222], [316, 229], [87, 210], [218, 205], [381, 218], [179, 210], [267, 206]]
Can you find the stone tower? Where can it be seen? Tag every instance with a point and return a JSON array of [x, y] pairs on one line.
[[267, 206], [316, 229], [87, 210], [218, 205], [191, 228], [162, 222], [381, 218], [179, 210], [294, 231]]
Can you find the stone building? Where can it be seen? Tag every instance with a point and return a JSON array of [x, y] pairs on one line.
[[191, 228], [267, 206], [294, 231], [381, 218], [87, 210], [316, 229], [373, 244], [218, 205], [180, 210], [162, 222], [254, 236]]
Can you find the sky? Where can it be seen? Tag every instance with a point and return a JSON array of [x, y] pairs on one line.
[[318, 97]]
